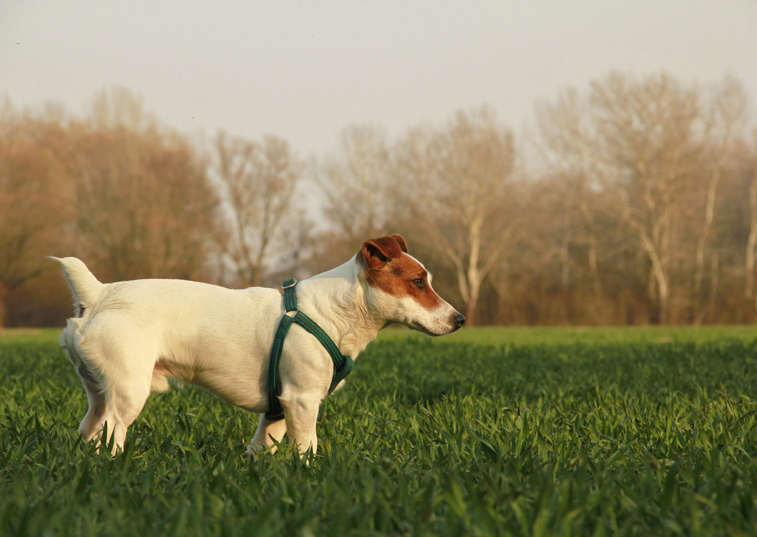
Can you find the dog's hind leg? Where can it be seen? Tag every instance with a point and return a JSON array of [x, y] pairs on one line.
[[98, 407], [92, 422], [265, 434], [126, 373]]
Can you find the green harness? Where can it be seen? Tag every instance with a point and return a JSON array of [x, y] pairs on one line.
[[342, 364]]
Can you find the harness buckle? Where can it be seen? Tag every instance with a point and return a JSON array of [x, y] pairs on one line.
[[288, 284]]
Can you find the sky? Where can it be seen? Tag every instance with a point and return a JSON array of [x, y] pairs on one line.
[[306, 70]]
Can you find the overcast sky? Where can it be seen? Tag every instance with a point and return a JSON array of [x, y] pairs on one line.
[[305, 70]]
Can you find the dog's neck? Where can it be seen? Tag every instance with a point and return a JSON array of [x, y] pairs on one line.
[[336, 301]]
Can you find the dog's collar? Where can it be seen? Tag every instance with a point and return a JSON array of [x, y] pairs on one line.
[[342, 364]]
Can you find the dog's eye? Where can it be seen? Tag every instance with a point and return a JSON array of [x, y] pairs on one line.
[[420, 283]]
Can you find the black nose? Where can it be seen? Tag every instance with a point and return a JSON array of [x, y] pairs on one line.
[[459, 320]]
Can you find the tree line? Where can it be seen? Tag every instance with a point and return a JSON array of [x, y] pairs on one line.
[[631, 201]]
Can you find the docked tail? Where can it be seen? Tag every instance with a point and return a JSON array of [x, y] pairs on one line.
[[84, 286]]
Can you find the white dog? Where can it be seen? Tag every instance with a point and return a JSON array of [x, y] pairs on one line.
[[127, 338]]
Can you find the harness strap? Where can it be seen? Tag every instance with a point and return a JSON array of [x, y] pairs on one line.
[[342, 364]]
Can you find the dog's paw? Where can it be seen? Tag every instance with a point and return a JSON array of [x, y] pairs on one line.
[[253, 450]]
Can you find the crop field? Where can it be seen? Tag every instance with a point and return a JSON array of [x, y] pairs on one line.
[[488, 432]]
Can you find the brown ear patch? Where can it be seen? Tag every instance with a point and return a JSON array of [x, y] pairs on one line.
[[388, 246], [400, 241], [398, 277], [378, 252]]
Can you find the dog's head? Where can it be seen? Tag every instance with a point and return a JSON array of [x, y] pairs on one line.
[[398, 288]]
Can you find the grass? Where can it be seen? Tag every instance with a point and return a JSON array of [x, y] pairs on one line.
[[584, 335], [492, 432]]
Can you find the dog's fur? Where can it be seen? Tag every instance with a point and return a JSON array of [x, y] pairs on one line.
[[128, 338]]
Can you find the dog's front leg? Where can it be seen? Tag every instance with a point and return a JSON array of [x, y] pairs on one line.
[[301, 417], [265, 434]]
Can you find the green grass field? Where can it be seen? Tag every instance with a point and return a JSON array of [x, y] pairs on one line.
[[487, 432]]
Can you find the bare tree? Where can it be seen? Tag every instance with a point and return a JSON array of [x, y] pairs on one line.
[[648, 134], [118, 107], [749, 290], [144, 204], [568, 145], [357, 184], [257, 184], [724, 122], [32, 197], [644, 147], [463, 201]]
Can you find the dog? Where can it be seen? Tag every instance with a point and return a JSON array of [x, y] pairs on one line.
[[127, 339]]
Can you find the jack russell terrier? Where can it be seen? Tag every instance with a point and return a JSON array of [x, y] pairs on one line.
[[127, 338]]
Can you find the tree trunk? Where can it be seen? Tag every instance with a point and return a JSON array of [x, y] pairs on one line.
[[474, 274], [3, 310], [709, 216], [751, 242], [471, 310], [661, 279], [592, 253]]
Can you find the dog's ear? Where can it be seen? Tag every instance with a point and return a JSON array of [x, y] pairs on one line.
[[378, 252], [400, 241]]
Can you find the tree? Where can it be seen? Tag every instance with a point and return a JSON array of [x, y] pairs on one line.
[[749, 290], [568, 141], [118, 107], [638, 144], [357, 185], [144, 204], [725, 119], [32, 197], [257, 182], [462, 199], [648, 134], [654, 152]]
